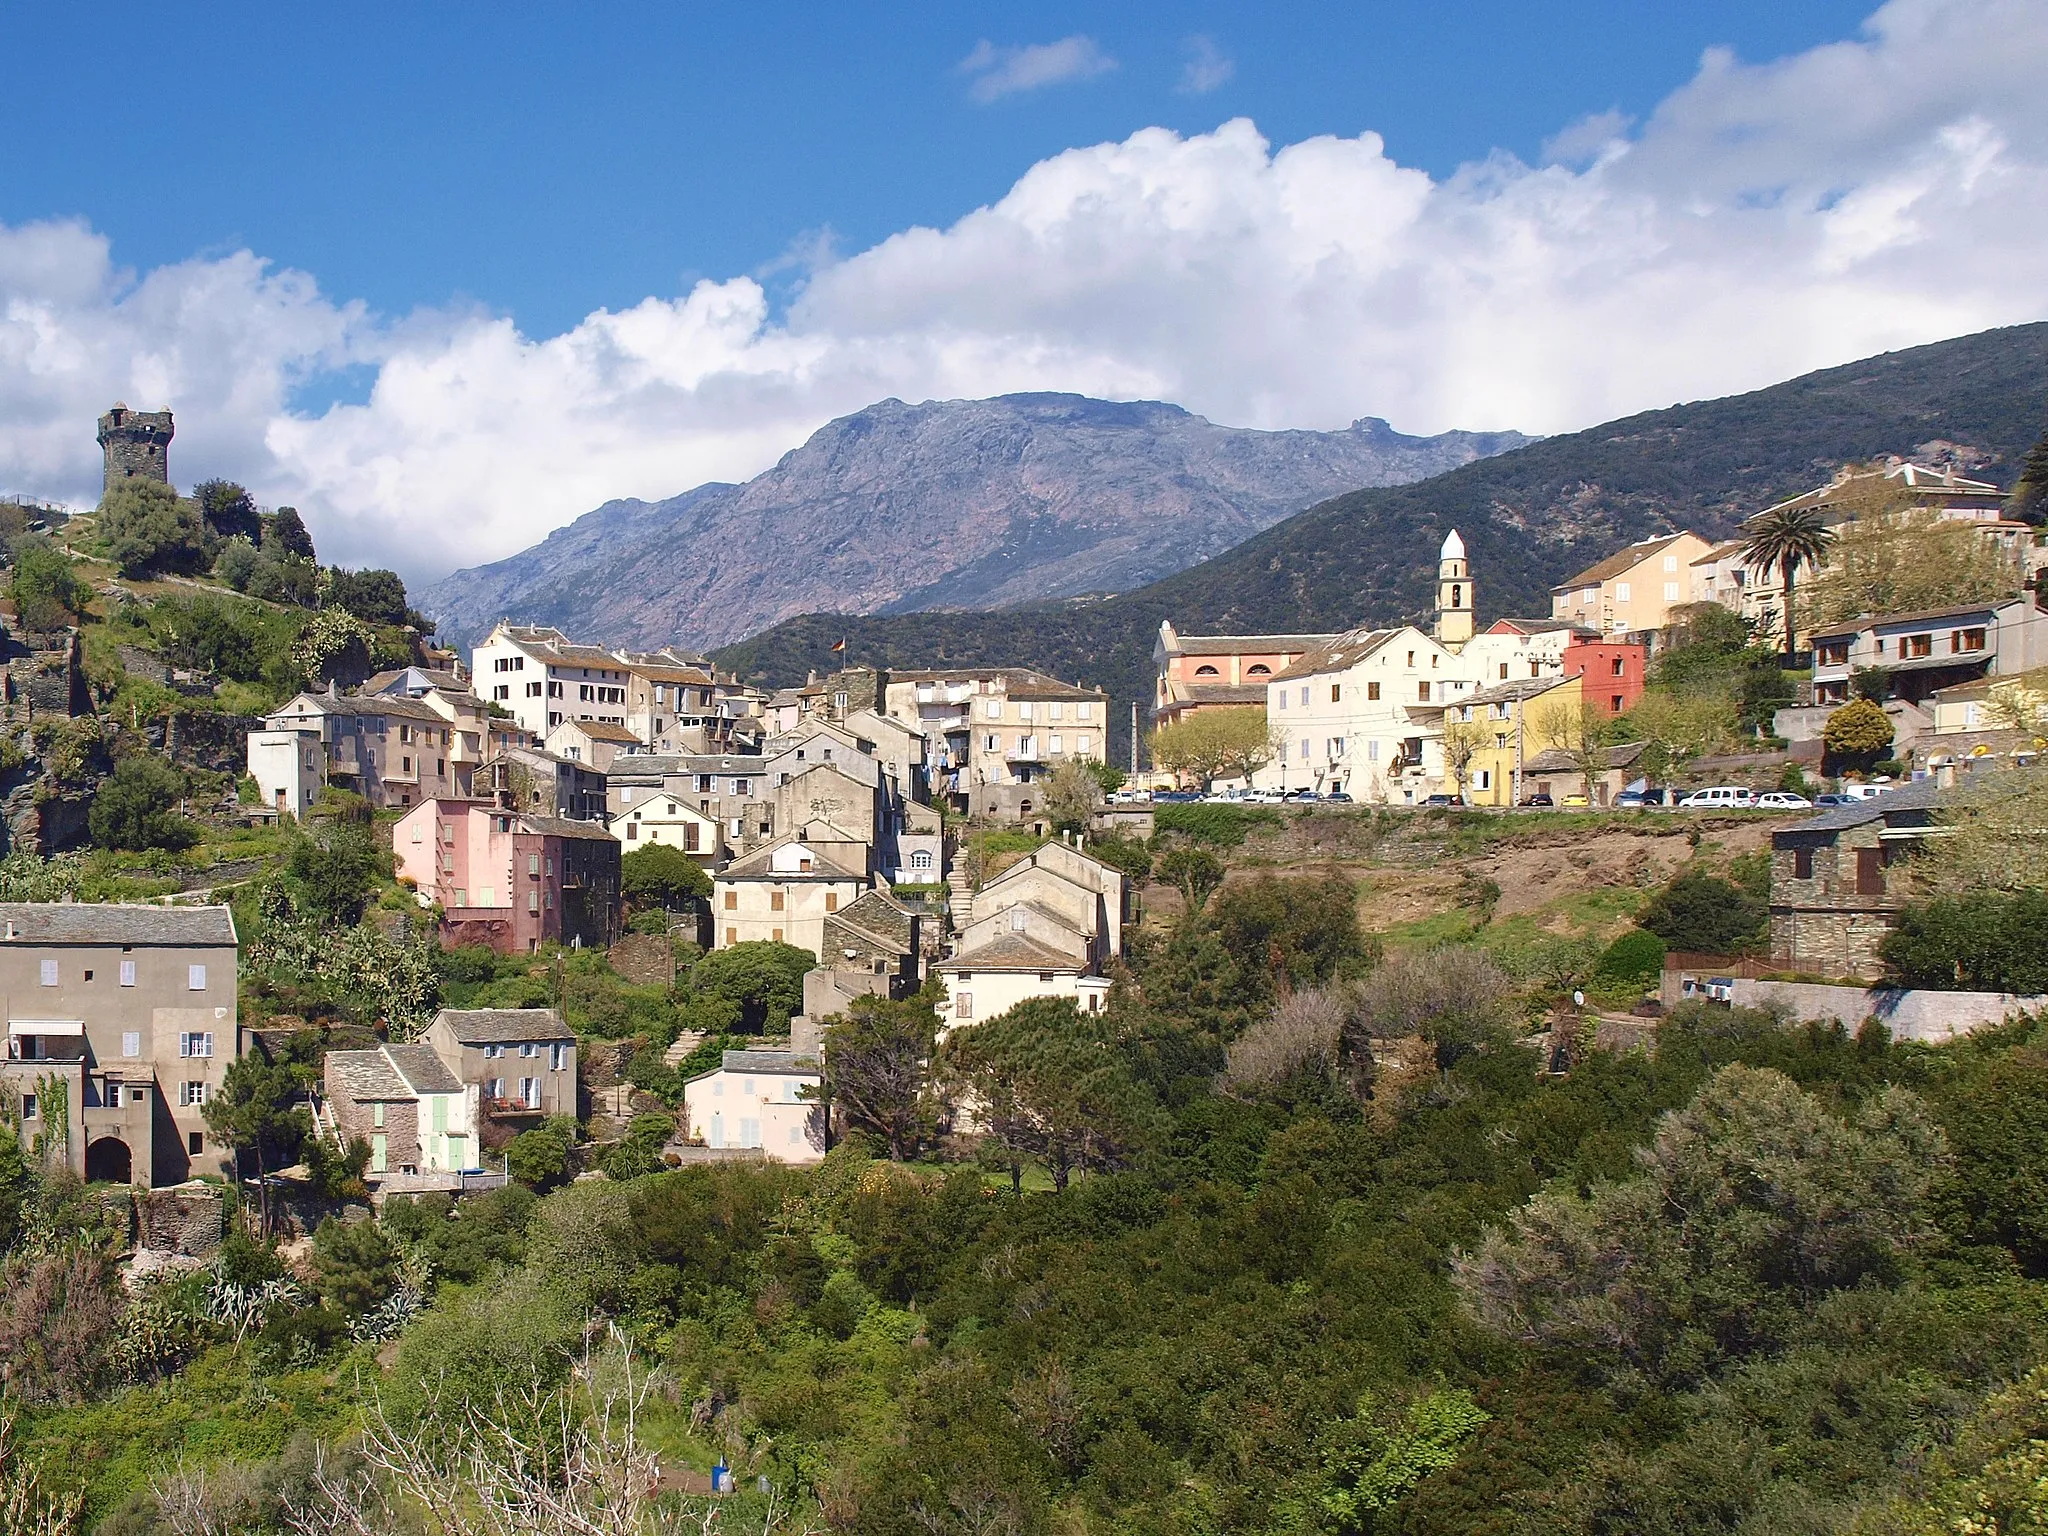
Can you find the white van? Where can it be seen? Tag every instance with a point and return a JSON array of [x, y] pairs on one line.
[[1867, 791], [1722, 797]]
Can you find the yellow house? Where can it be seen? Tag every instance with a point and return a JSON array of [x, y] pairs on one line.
[[1509, 717], [1633, 589]]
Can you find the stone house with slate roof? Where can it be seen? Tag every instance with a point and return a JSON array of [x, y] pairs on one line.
[[523, 1059], [121, 1023], [407, 1106], [593, 743], [1833, 897], [1633, 590], [876, 936]]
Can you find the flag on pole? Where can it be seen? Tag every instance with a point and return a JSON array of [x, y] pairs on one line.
[[841, 646]]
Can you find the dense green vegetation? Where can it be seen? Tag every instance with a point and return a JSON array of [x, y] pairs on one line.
[[1529, 518]]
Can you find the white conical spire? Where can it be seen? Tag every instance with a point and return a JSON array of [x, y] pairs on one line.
[[1454, 547]]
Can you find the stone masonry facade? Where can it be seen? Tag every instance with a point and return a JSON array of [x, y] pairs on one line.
[[137, 445]]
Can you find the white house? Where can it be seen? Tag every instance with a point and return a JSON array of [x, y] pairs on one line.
[[542, 678], [756, 1100], [289, 767], [673, 822]]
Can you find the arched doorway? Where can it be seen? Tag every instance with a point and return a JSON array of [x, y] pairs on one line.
[[108, 1161]]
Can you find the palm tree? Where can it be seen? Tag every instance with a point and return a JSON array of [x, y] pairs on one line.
[[1788, 537]]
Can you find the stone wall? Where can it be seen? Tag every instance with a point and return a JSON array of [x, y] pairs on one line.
[[187, 1220], [137, 444], [1930, 1017]]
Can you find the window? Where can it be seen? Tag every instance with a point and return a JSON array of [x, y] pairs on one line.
[[1422, 690], [1966, 640], [690, 837], [1618, 667], [732, 936], [1614, 704], [963, 1005], [1503, 671], [533, 864], [529, 1092], [28, 1106], [1304, 751], [632, 832], [777, 901], [1336, 693], [529, 1048], [1205, 671], [921, 859], [1372, 692], [1256, 669], [195, 978], [1083, 743], [195, 1142], [1372, 751], [1621, 594], [994, 710], [533, 901], [1054, 746], [1411, 658], [191, 1094], [1918, 645], [558, 1056], [1086, 710], [1670, 591], [1834, 653], [195, 1043], [493, 1052], [775, 934], [1282, 696], [131, 1043], [1024, 710], [49, 973], [1802, 864], [127, 973], [1869, 872], [1304, 695], [831, 901]]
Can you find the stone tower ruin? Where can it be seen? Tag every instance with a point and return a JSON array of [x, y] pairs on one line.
[[137, 444]]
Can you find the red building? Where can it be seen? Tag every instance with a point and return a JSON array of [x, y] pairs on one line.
[[1611, 672]]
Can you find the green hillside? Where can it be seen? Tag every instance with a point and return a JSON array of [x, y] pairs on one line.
[[1529, 518]]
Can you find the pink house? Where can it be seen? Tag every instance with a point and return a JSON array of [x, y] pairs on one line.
[[508, 879], [1213, 671]]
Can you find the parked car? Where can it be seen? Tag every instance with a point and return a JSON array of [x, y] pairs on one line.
[[1782, 800], [1304, 795], [1854, 792], [1636, 799], [1176, 797], [1336, 797], [1831, 798], [1266, 797], [1130, 796], [1538, 801], [1722, 797], [1439, 802]]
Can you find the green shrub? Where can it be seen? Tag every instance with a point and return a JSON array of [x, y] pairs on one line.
[[1987, 942], [1634, 959], [135, 808], [1705, 913], [1225, 826]]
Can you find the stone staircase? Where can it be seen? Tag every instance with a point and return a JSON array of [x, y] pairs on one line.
[[961, 901], [685, 1043]]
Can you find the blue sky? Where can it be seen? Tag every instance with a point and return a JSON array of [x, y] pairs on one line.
[[446, 276], [546, 161]]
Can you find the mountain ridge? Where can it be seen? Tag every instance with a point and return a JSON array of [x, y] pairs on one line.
[[962, 504], [1530, 517]]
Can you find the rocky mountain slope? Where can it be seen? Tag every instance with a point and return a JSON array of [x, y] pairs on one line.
[[1529, 518], [956, 504]]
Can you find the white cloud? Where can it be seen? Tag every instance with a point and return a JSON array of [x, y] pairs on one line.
[[1207, 67], [1762, 221], [999, 72]]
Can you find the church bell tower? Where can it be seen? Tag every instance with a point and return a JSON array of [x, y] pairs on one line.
[[1453, 592]]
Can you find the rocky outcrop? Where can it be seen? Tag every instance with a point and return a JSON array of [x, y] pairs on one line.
[[959, 504]]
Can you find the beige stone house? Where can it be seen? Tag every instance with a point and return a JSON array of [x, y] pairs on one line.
[[672, 821], [394, 752], [1633, 590], [121, 1022], [1047, 926], [785, 891], [757, 1100], [593, 743]]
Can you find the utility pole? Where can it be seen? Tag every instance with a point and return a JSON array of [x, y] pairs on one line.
[[1134, 738]]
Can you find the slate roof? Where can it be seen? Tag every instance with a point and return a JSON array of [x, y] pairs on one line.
[[756, 865], [559, 826], [1621, 560], [1012, 952], [357, 706], [1348, 649], [423, 1069], [79, 922], [1921, 616], [878, 915], [1237, 645], [1509, 692], [1920, 795], [763, 1064], [1556, 760], [368, 1075], [1220, 693], [497, 1026]]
